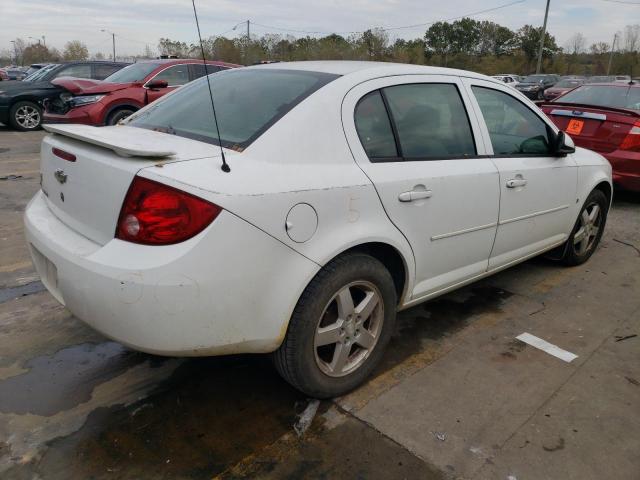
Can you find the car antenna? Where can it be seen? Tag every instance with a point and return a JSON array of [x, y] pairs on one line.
[[225, 165]]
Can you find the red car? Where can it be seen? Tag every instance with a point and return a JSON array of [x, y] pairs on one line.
[[3, 75], [93, 102], [604, 118], [563, 86]]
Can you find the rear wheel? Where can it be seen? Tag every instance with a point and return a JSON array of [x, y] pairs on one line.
[[25, 116], [118, 115], [540, 94], [339, 328], [588, 229]]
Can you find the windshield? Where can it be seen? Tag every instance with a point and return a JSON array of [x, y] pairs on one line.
[[604, 96], [568, 83], [38, 74], [133, 73], [533, 79], [247, 101]]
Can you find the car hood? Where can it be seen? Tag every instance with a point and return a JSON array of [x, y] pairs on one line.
[[83, 86]]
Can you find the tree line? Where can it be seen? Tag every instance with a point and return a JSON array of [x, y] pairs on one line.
[[469, 44]]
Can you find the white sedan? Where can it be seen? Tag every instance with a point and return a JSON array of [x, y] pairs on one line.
[[355, 190]]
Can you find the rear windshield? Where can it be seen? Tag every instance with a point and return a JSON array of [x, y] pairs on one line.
[[247, 103], [568, 83], [604, 96], [133, 73]]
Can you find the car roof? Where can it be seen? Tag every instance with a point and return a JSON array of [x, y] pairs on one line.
[[177, 61], [348, 67]]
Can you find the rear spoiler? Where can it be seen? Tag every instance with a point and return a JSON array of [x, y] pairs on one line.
[[123, 140], [569, 106]]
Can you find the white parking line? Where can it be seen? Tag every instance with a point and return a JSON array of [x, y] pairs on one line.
[[545, 346]]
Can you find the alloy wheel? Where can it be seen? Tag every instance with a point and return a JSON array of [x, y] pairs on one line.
[[585, 237], [348, 329], [27, 117]]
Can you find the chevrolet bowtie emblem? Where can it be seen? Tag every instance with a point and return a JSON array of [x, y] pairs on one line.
[[60, 176]]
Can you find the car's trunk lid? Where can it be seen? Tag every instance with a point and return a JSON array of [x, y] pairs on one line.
[[87, 193], [596, 128]]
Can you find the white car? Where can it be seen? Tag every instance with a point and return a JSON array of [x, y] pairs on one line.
[[509, 79], [355, 190]]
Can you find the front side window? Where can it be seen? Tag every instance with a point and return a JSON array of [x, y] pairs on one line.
[[77, 71], [430, 120], [132, 73], [514, 129], [175, 76], [374, 127], [247, 102]]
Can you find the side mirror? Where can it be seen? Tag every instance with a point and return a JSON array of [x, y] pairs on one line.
[[563, 144], [155, 84]]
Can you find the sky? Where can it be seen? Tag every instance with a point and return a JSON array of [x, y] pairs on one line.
[[137, 23]]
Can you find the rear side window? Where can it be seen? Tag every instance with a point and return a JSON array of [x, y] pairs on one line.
[[248, 102], [197, 70], [100, 72], [374, 127], [514, 129], [430, 120]]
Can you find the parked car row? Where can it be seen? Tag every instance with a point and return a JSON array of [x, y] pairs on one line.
[[91, 92]]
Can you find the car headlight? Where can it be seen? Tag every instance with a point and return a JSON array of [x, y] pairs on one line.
[[85, 100]]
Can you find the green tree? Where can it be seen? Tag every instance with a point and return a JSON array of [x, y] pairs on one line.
[[528, 40], [75, 50]]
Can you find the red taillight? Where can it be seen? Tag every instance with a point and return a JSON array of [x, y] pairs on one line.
[[157, 214], [632, 140], [69, 157]]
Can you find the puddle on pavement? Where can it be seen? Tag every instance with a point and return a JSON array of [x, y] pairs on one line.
[[10, 293], [210, 414], [61, 381], [439, 318]]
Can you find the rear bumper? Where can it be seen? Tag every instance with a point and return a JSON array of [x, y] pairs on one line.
[[626, 169], [213, 294]]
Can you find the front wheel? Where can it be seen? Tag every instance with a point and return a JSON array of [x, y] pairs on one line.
[[339, 328], [540, 94], [25, 116], [588, 230], [119, 115]]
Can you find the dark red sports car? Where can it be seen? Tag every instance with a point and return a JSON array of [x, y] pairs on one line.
[[604, 118]]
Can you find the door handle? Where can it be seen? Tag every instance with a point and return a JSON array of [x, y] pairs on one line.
[[414, 195], [516, 182]]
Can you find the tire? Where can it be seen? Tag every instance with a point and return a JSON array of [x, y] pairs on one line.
[[540, 94], [25, 116], [316, 368], [580, 245], [120, 114]]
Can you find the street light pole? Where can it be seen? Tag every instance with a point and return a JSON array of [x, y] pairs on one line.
[[542, 38], [613, 46], [113, 39], [15, 51]]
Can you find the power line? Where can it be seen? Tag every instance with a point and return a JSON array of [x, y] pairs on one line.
[[424, 24]]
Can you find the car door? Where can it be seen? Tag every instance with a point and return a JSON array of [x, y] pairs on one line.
[[414, 139], [537, 187], [175, 76]]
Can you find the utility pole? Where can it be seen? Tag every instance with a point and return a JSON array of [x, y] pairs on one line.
[[15, 51], [113, 38], [542, 38], [248, 41], [613, 47]]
